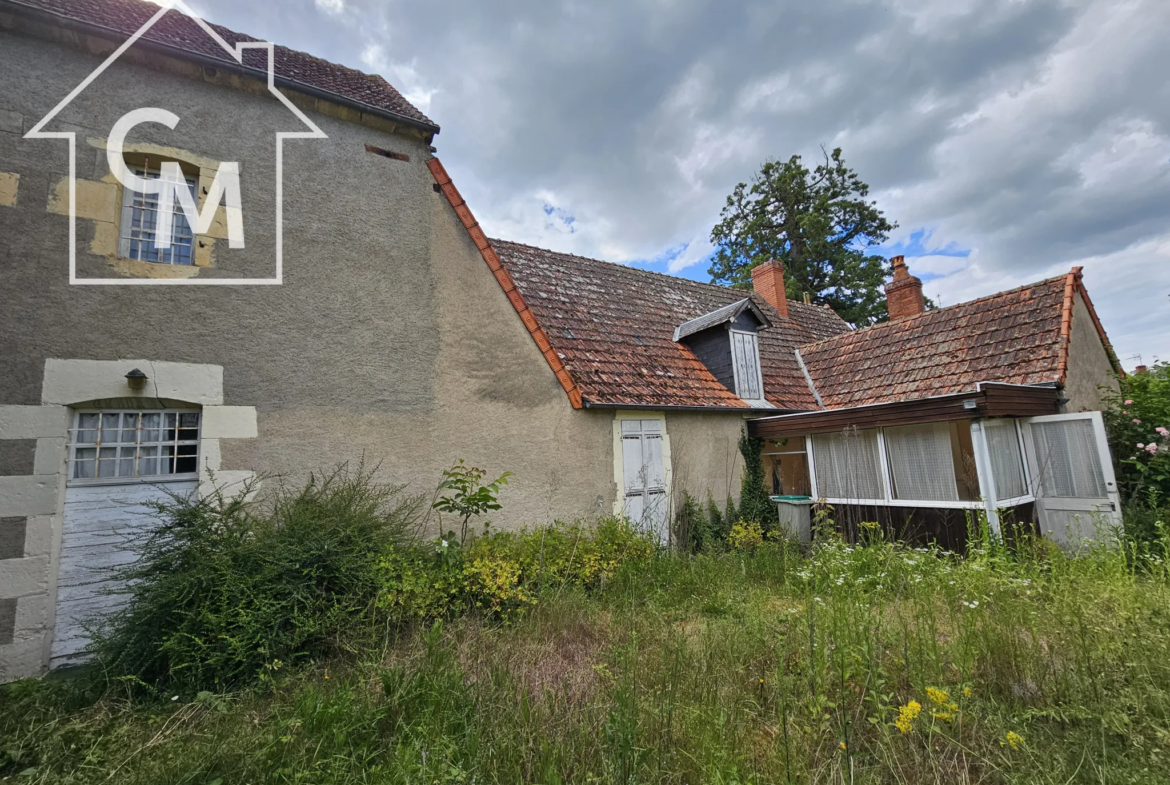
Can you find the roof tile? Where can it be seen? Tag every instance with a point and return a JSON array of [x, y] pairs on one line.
[[614, 328], [177, 30]]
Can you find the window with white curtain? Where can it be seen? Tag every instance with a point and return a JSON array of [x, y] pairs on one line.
[[922, 463], [1007, 461], [848, 465], [1070, 466]]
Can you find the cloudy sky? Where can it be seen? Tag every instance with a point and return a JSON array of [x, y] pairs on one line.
[[1010, 139]]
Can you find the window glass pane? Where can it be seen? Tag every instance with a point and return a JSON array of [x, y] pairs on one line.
[[922, 463], [147, 461], [1070, 466], [186, 462], [848, 465], [150, 427], [87, 425], [83, 462], [107, 462], [1007, 462]]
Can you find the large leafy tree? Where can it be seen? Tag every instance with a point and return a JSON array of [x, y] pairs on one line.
[[818, 224]]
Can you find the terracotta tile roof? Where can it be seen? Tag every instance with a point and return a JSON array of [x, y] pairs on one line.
[[613, 327], [1019, 337], [175, 30]]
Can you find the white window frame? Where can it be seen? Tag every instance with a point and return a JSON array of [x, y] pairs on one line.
[[151, 479], [126, 224], [887, 489], [737, 372]]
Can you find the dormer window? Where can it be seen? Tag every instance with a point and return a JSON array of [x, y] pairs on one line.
[[726, 340]]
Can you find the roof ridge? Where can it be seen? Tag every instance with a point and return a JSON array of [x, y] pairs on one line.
[[865, 330], [747, 293]]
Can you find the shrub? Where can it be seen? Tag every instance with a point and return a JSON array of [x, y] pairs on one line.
[[693, 529], [503, 573], [746, 536], [225, 592], [1137, 419]]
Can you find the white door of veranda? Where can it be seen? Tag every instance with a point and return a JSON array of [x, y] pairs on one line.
[[1072, 477], [120, 462], [644, 476]]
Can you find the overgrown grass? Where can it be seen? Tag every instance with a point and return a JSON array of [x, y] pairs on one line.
[[751, 667]]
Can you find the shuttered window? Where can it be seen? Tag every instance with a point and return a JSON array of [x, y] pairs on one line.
[[745, 356], [848, 465]]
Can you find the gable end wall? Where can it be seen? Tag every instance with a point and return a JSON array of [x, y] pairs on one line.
[[1088, 362]]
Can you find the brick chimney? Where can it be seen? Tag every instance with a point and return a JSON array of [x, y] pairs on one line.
[[768, 281], [904, 293], [1141, 369]]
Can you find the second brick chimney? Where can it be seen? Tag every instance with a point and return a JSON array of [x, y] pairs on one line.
[[768, 281], [904, 294]]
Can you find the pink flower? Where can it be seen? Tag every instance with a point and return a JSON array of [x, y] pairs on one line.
[[1162, 431], [1129, 403], [1151, 448], [1136, 421], [1141, 446]]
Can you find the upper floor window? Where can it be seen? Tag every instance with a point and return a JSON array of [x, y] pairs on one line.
[[745, 359], [138, 238]]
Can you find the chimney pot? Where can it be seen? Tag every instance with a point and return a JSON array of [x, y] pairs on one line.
[[768, 281], [1140, 369], [904, 294]]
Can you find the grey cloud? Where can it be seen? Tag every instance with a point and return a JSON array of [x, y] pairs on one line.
[[974, 118]]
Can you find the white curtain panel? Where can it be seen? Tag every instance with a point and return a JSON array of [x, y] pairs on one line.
[[848, 465], [921, 462], [1070, 466], [1007, 462]]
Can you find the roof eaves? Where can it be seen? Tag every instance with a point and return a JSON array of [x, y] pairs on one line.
[[228, 65], [506, 283]]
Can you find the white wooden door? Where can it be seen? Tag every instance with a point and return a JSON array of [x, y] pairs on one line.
[[644, 476], [101, 522], [119, 463], [1072, 477]]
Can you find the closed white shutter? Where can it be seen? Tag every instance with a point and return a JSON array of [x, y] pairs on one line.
[[745, 356], [644, 475], [921, 462], [848, 465]]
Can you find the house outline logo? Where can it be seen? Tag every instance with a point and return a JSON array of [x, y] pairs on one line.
[[237, 54]]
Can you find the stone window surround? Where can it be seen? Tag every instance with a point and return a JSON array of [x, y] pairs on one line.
[[40, 497]]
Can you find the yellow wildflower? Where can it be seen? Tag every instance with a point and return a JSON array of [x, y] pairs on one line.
[[1014, 740], [906, 716], [966, 692], [944, 716], [937, 697], [842, 745]]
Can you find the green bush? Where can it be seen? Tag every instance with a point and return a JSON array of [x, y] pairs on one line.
[[1137, 419], [503, 573], [225, 592]]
